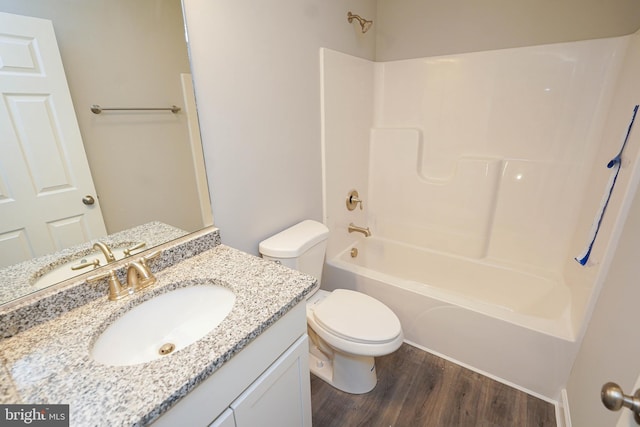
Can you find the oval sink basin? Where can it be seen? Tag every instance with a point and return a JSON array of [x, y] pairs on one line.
[[163, 325]]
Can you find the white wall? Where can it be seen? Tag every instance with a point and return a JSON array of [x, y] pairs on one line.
[[417, 28], [256, 68], [123, 53]]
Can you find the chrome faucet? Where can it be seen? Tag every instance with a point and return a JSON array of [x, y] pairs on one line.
[[105, 250], [363, 230]]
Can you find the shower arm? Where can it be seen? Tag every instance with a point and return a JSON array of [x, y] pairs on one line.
[[364, 24]]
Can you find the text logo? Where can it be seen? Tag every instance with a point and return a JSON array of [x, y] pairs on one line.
[[34, 415]]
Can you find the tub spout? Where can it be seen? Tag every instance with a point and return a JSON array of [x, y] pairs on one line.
[[363, 230]]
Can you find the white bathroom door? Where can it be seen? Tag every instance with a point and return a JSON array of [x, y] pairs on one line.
[[44, 173]]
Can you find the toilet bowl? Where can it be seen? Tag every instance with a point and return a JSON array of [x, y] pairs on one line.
[[347, 329]]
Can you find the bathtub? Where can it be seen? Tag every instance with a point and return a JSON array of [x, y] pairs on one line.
[[511, 325]]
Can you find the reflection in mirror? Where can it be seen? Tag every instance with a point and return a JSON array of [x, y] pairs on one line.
[[27, 277], [146, 166]]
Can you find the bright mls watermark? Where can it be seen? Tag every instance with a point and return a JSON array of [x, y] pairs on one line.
[[34, 415]]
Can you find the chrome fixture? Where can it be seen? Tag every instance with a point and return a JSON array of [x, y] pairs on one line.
[[353, 199], [614, 399], [105, 250], [139, 276], [363, 230], [364, 24]]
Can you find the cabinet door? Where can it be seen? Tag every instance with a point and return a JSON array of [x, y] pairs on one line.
[[281, 396]]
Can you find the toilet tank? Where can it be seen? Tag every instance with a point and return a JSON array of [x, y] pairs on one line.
[[300, 247]]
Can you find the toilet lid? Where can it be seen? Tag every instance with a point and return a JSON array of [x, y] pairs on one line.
[[357, 317]]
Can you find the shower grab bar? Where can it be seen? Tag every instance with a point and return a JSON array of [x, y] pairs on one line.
[[96, 109]]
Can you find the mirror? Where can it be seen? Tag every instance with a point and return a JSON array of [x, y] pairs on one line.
[[146, 166]]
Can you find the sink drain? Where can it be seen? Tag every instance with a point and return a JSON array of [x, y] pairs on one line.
[[166, 349]]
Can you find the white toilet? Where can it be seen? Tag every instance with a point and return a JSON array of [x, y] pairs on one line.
[[347, 329]]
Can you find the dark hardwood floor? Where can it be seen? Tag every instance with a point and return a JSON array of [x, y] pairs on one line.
[[418, 389]]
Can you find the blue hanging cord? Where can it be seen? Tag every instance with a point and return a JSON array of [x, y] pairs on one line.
[[613, 163]]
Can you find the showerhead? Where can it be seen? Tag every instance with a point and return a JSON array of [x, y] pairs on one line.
[[364, 24]]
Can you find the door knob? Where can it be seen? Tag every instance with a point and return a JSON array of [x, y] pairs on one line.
[[614, 398], [88, 200]]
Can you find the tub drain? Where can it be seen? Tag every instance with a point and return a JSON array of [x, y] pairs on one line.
[[166, 349]]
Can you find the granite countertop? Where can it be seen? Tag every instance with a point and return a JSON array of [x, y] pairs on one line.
[[50, 362]]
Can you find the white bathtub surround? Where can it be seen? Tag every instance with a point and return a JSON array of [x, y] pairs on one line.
[[479, 175], [411, 207]]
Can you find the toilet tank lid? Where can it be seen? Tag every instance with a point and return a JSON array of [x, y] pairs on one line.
[[295, 240]]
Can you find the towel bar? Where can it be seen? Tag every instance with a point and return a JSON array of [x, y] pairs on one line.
[[96, 109]]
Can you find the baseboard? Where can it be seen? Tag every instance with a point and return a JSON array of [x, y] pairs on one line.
[[563, 415]]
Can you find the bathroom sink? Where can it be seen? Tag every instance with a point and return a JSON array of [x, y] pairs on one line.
[[163, 325], [63, 271]]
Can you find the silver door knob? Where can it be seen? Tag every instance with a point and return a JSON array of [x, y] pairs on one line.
[[88, 200], [614, 399]]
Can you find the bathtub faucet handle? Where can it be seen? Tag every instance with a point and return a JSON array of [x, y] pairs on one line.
[[353, 199]]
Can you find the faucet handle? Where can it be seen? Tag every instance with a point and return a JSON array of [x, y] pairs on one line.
[[116, 290], [145, 260], [151, 256], [95, 263], [353, 199], [127, 252]]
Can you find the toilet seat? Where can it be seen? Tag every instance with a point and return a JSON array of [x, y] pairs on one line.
[[357, 317], [354, 323]]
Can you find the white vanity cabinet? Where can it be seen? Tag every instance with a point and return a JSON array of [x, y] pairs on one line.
[[265, 384], [276, 398]]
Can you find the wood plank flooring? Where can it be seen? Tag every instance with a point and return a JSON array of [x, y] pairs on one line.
[[418, 389]]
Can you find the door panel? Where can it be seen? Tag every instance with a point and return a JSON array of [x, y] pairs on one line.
[[44, 173]]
